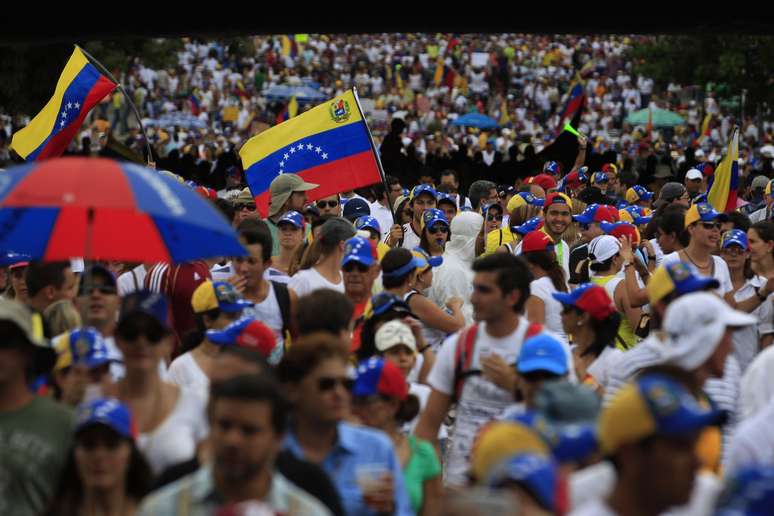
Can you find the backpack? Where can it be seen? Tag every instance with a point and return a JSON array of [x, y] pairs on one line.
[[465, 349], [283, 300]]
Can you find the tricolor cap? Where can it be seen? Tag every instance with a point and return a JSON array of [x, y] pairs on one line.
[[679, 278], [423, 189], [609, 167], [620, 229], [703, 212], [569, 442], [500, 439], [535, 473], [749, 492], [603, 247], [542, 353], [536, 241], [108, 412], [638, 193], [545, 181], [653, 404], [368, 221], [533, 224], [378, 376], [432, 216], [432, 261], [294, 218], [589, 298], [523, 199], [583, 174], [636, 215], [735, 237], [246, 333], [552, 167], [358, 249], [218, 294], [599, 177], [557, 198], [594, 213], [84, 346]]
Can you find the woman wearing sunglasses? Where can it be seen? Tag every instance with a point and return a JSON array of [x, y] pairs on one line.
[[105, 474], [315, 378], [170, 420], [435, 232]]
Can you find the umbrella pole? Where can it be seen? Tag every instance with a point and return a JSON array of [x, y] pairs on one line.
[[128, 99]]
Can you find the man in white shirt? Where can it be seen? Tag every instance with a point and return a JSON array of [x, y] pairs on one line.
[[423, 197], [380, 208]]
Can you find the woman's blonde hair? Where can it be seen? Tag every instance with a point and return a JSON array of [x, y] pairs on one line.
[[62, 316]]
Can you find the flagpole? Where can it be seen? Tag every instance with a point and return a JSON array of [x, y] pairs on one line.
[[104, 70], [378, 158]]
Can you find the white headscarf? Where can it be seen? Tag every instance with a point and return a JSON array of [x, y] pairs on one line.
[[757, 387]]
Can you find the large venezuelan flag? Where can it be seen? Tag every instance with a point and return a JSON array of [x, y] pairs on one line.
[[725, 181], [575, 98], [81, 86], [329, 145]]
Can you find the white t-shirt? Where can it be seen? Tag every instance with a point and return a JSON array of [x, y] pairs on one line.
[[747, 340], [542, 288], [753, 442], [602, 368], [309, 280], [410, 239], [658, 251], [272, 274], [176, 438], [131, 281], [594, 507], [185, 372], [720, 271], [383, 216], [269, 313]]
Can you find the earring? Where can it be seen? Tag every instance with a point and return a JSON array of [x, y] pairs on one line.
[[579, 324]]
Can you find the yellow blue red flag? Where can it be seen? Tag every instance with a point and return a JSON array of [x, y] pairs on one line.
[[329, 145], [80, 87], [725, 181]]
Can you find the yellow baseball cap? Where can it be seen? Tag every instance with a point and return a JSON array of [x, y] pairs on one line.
[[501, 439], [219, 294], [703, 212], [676, 277]]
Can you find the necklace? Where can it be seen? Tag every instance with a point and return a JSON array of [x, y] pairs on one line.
[[709, 265]]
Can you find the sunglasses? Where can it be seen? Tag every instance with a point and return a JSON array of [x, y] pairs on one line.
[[328, 383], [492, 218], [134, 330], [327, 204], [710, 225], [106, 290], [249, 206], [438, 229], [355, 266]]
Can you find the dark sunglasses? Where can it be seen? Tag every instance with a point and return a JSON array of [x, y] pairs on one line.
[[584, 227], [492, 218], [250, 206], [106, 290], [133, 330], [355, 266], [710, 225], [328, 204], [328, 383], [438, 229]]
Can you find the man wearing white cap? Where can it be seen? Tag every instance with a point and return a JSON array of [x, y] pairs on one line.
[[694, 182]]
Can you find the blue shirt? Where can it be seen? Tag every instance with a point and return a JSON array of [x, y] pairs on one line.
[[359, 446]]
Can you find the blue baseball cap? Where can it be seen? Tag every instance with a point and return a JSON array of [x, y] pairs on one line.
[[442, 197], [677, 278], [355, 208], [583, 174], [432, 216], [423, 189], [535, 473], [384, 302], [96, 270], [358, 249], [85, 346], [13, 258], [293, 217], [638, 193], [378, 376], [108, 412], [638, 215], [533, 224], [220, 295], [542, 353], [599, 177], [735, 237], [703, 212], [368, 221], [432, 261], [145, 302], [551, 167], [749, 492], [568, 442], [594, 213]]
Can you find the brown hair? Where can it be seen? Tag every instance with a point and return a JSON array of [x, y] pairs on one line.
[[307, 353]]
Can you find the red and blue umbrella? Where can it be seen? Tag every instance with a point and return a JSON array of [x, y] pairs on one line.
[[103, 209]]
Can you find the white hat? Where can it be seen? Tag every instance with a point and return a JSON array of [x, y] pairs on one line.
[[603, 248], [393, 334], [696, 323], [693, 174]]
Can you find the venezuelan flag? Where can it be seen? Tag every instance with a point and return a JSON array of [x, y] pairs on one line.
[[329, 145], [575, 98], [81, 86], [725, 181]]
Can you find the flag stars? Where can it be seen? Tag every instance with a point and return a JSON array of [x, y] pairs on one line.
[[62, 123], [282, 164], [324, 155], [69, 105], [64, 114], [77, 106], [292, 150], [300, 146], [309, 146], [286, 155], [318, 150]]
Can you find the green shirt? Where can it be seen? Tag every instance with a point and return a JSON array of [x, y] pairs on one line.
[[34, 444], [422, 466]]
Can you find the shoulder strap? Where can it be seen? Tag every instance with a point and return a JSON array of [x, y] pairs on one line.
[[136, 283], [283, 300], [463, 356]]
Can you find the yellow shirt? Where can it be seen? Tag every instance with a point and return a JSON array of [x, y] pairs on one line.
[[495, 239]]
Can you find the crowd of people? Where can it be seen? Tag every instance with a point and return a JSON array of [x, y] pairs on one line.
[[454, 340]]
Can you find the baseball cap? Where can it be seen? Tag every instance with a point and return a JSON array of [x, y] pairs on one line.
[[31, 326], [245, 333], [13, 260], [423, 189], [398, 202], [368, 221], [769, 187], [703, 212], [545, 181], [432, 216], [669, 192], [282, 187], [84, 346], [638, 193], [432, 261], [442, 197], [536, 241], [599, 177], [653, 404], [336, 229], [557, 198], [636, 215], [533, 224], [590, 298], [760, 182], [523, 199], [358, 249], [500, 439], [355, 208], [108, 412], [218, 294], [394, 333], [96, 270], [294, 218], [749, 492], [609, 167], [603, 248], [694, 174], [695, 323], [594, 213], [145, 302], [535, 473], [679, 278], [384, 302], [735, 237], [542, 353], [552, 167], [379, 376], [619, 229]]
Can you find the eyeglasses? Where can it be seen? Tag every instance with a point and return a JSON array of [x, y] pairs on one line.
[[328, 383], [327, 204], [733, 251], [709, 226], [249, 206], [438, 229], [355, 266], [493, 218], [133, 330]]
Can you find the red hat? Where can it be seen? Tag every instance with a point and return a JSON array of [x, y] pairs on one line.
[[378, 376], [545, 181], [620, 229], [207, 193], [612, 212], [591, 298], [572, 179], [536, 241], [557, 198]]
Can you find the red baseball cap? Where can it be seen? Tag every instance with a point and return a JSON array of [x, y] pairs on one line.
[[545, 181], [379, 376], [536, 241], [590, 298], [557, 198]]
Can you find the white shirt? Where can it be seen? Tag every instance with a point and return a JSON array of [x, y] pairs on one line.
[[543, 288], [747, 340], [602, 368], [720, 271], [410, 239], [309, 280], [383, 216], [753, 442], [185, 372], [131, 281], [269, 313], [594, 507]]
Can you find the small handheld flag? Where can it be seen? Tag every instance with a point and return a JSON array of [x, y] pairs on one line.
[[570, 129]]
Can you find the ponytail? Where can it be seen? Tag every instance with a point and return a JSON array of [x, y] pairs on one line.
[[547, 262], [315, 252], [605, 334], [408, 410]]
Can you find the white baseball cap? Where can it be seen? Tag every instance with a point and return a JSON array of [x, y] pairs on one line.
[[603, 248], [693, 174], [696, 323], [395, 333]]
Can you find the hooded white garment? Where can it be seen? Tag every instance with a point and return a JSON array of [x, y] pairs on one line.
[[757, 387], [454, 277]]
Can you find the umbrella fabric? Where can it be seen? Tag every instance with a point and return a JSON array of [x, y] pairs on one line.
[[104, 209], [661, 118], [476, 120]]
